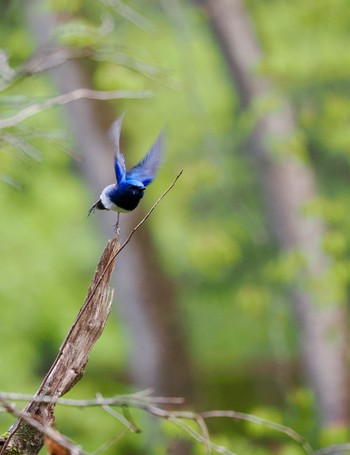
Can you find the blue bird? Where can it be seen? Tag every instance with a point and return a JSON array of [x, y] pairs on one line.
[[125, 195]]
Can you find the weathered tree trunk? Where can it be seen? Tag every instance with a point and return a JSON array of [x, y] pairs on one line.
[[288, 184], [69, 365]]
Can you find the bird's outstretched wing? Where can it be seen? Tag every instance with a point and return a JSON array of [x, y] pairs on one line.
[[146, 169], [119, 162]]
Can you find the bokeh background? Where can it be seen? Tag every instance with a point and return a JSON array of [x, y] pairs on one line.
[[234, 294]]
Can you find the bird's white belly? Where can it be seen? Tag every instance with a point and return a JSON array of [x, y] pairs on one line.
[[115, 208], [108, 203]]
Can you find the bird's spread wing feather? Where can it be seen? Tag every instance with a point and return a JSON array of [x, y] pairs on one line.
[[146, 169], [119, 162]]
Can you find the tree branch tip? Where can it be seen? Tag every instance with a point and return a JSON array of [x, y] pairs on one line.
[[145, 217]]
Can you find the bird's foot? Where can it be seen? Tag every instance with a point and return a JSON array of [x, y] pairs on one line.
[[116, 229], [116, 226]]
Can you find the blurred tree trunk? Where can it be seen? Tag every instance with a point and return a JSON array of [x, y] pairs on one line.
[[288, 184], [146, 297]]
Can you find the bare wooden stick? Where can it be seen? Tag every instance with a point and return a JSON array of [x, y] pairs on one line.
[[143, 396], [150, 211], [72, 358]]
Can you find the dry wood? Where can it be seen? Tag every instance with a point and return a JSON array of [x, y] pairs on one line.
[[69, 365], [72, 358]]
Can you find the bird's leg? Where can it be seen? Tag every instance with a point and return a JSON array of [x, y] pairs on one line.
[[116, 227]]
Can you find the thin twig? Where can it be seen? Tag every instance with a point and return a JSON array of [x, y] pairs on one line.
[[203, 426], [74, 95], [149, 213], [121, 419], [142, 401], [43, 60], [134, 230], [129, 425], [130, 14], [337, 448], [267, 423], [118, 400], [198, 437], [109, 443]]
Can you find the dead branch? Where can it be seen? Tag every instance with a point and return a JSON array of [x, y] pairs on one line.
[[51, 436], [69, 97], [267, 423], [118, 400], [145, 402], [72, 358], [70, 363], [334, 449], [130, 14], [43, 59], [150, 211]]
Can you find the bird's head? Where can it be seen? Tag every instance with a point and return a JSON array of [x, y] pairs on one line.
[[136, 187]]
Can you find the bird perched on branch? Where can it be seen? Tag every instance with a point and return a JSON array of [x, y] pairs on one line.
[[126, 193]]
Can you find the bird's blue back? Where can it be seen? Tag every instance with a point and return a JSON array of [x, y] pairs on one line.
[[146, 169]]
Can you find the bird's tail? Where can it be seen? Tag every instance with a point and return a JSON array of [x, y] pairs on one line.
[[98, 205]]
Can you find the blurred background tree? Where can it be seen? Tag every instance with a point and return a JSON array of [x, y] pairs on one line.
[[255, 98]]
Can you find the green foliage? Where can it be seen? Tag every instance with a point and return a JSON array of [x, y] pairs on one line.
[[338, 434], [64, 6], [231, 280]]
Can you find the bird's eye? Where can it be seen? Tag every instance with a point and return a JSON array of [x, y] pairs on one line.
[[136, 188]]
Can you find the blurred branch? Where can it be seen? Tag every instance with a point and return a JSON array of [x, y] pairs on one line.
[[331, 450], [6, 72], [109, 443], [49, 57], [19, 143], [150, 211], [129, 14], [267, 423], [151, 71], [143, 401], [66, 98], [42, 60], [143, 396]]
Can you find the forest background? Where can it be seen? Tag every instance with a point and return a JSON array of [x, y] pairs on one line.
[[235, 293]]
